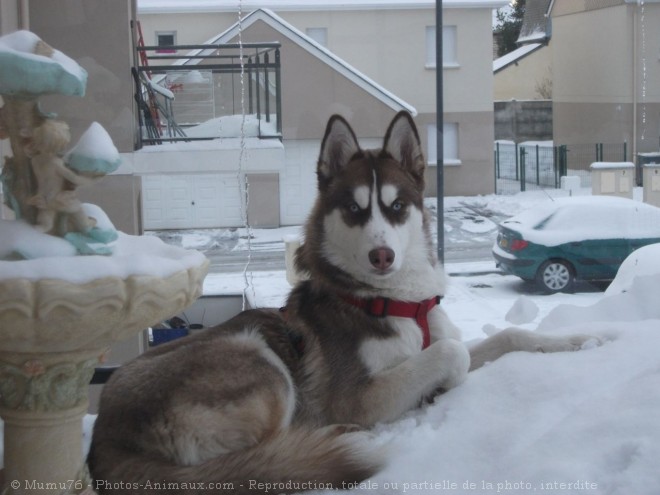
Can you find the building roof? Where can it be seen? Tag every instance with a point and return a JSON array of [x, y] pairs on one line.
[[311, 46], [514, 56], [181, 6], [535, 27]]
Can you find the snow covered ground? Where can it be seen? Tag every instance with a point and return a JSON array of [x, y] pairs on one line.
[[583, 422]]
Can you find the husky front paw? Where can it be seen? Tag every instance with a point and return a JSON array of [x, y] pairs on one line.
[[567, 344], [451, 362]]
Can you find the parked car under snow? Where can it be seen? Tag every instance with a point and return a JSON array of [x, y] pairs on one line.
[[578, 238]]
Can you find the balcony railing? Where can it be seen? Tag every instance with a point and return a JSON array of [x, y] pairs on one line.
[[210, 92]]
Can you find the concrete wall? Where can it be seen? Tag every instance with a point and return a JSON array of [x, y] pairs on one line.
[[520, 121]]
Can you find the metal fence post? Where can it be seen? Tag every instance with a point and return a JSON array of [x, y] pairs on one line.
[[278, 92], [266, 83], [538, 167], [249, 76], [522, 168], [258, 63], [555, 165]]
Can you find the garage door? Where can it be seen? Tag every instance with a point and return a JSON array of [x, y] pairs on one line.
[[187, 201]]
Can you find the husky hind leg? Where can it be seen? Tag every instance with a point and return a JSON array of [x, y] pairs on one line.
[[514, 339], [216, 408]]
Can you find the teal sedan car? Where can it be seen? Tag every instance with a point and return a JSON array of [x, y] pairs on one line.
[[577, 238]]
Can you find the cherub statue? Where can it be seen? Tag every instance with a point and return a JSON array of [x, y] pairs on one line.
[[56, 183]]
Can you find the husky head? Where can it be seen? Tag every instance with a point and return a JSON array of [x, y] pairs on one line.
[[368, 225]]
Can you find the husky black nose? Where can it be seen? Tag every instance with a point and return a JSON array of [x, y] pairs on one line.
[[381, 258]]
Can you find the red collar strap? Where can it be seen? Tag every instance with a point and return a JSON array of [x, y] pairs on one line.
[[380, 307]]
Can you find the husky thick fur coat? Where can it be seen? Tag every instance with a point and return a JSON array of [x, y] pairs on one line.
[[275, 401]]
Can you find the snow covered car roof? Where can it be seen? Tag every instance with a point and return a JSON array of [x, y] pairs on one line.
[[582, 218]]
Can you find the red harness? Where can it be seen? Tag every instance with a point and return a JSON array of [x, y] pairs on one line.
[[381, 307]]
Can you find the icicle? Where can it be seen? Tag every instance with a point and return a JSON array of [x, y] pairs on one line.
[[644, 72], [244, 187]]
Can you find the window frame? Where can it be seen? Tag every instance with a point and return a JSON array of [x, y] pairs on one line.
[[158, 34], [313, 32], [450, 136], [449, 47]]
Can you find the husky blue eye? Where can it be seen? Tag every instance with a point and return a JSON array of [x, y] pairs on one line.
[[353, 208], [397, 205]]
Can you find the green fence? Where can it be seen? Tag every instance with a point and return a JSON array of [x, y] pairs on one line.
[[529, 166]]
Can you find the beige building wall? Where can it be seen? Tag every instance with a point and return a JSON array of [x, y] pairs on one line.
[[395, 59], [190, 28], [97, 35], [522, 79], [11, 17], [606, 68], [312, 91]]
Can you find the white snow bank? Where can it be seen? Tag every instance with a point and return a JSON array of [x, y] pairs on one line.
[[231, 126], [644, 261], [570, 423], [524, 310]]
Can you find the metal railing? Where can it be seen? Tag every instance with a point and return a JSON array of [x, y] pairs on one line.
[[209, 92], [521, 167]]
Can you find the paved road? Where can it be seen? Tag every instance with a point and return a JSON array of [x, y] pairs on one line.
[[469, 235], [223, 261]]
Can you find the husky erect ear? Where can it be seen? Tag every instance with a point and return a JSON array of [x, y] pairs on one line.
[[338, 147], [402, 142]]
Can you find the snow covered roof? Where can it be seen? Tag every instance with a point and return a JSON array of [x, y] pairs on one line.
[[535, 26], [311, 46], [514, 56], [179, 6]]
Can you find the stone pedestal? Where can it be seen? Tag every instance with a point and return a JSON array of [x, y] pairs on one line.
[[53, 333]]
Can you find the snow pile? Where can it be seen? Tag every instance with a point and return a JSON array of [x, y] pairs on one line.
[[232, 126], [55, 258], [524, 310], [561, 423], [95, 153], [642, 262]]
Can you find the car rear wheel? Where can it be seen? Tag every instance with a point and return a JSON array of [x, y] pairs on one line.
[[556, 276]]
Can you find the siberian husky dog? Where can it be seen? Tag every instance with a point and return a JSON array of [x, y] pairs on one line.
[[275, 401]]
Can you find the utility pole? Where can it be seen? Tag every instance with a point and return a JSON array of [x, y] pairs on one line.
[[440, 169]]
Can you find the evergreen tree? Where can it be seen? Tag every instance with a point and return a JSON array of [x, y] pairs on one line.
[[508, 27]]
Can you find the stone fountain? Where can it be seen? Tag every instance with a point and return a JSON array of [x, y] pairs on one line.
[[70, 284]]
